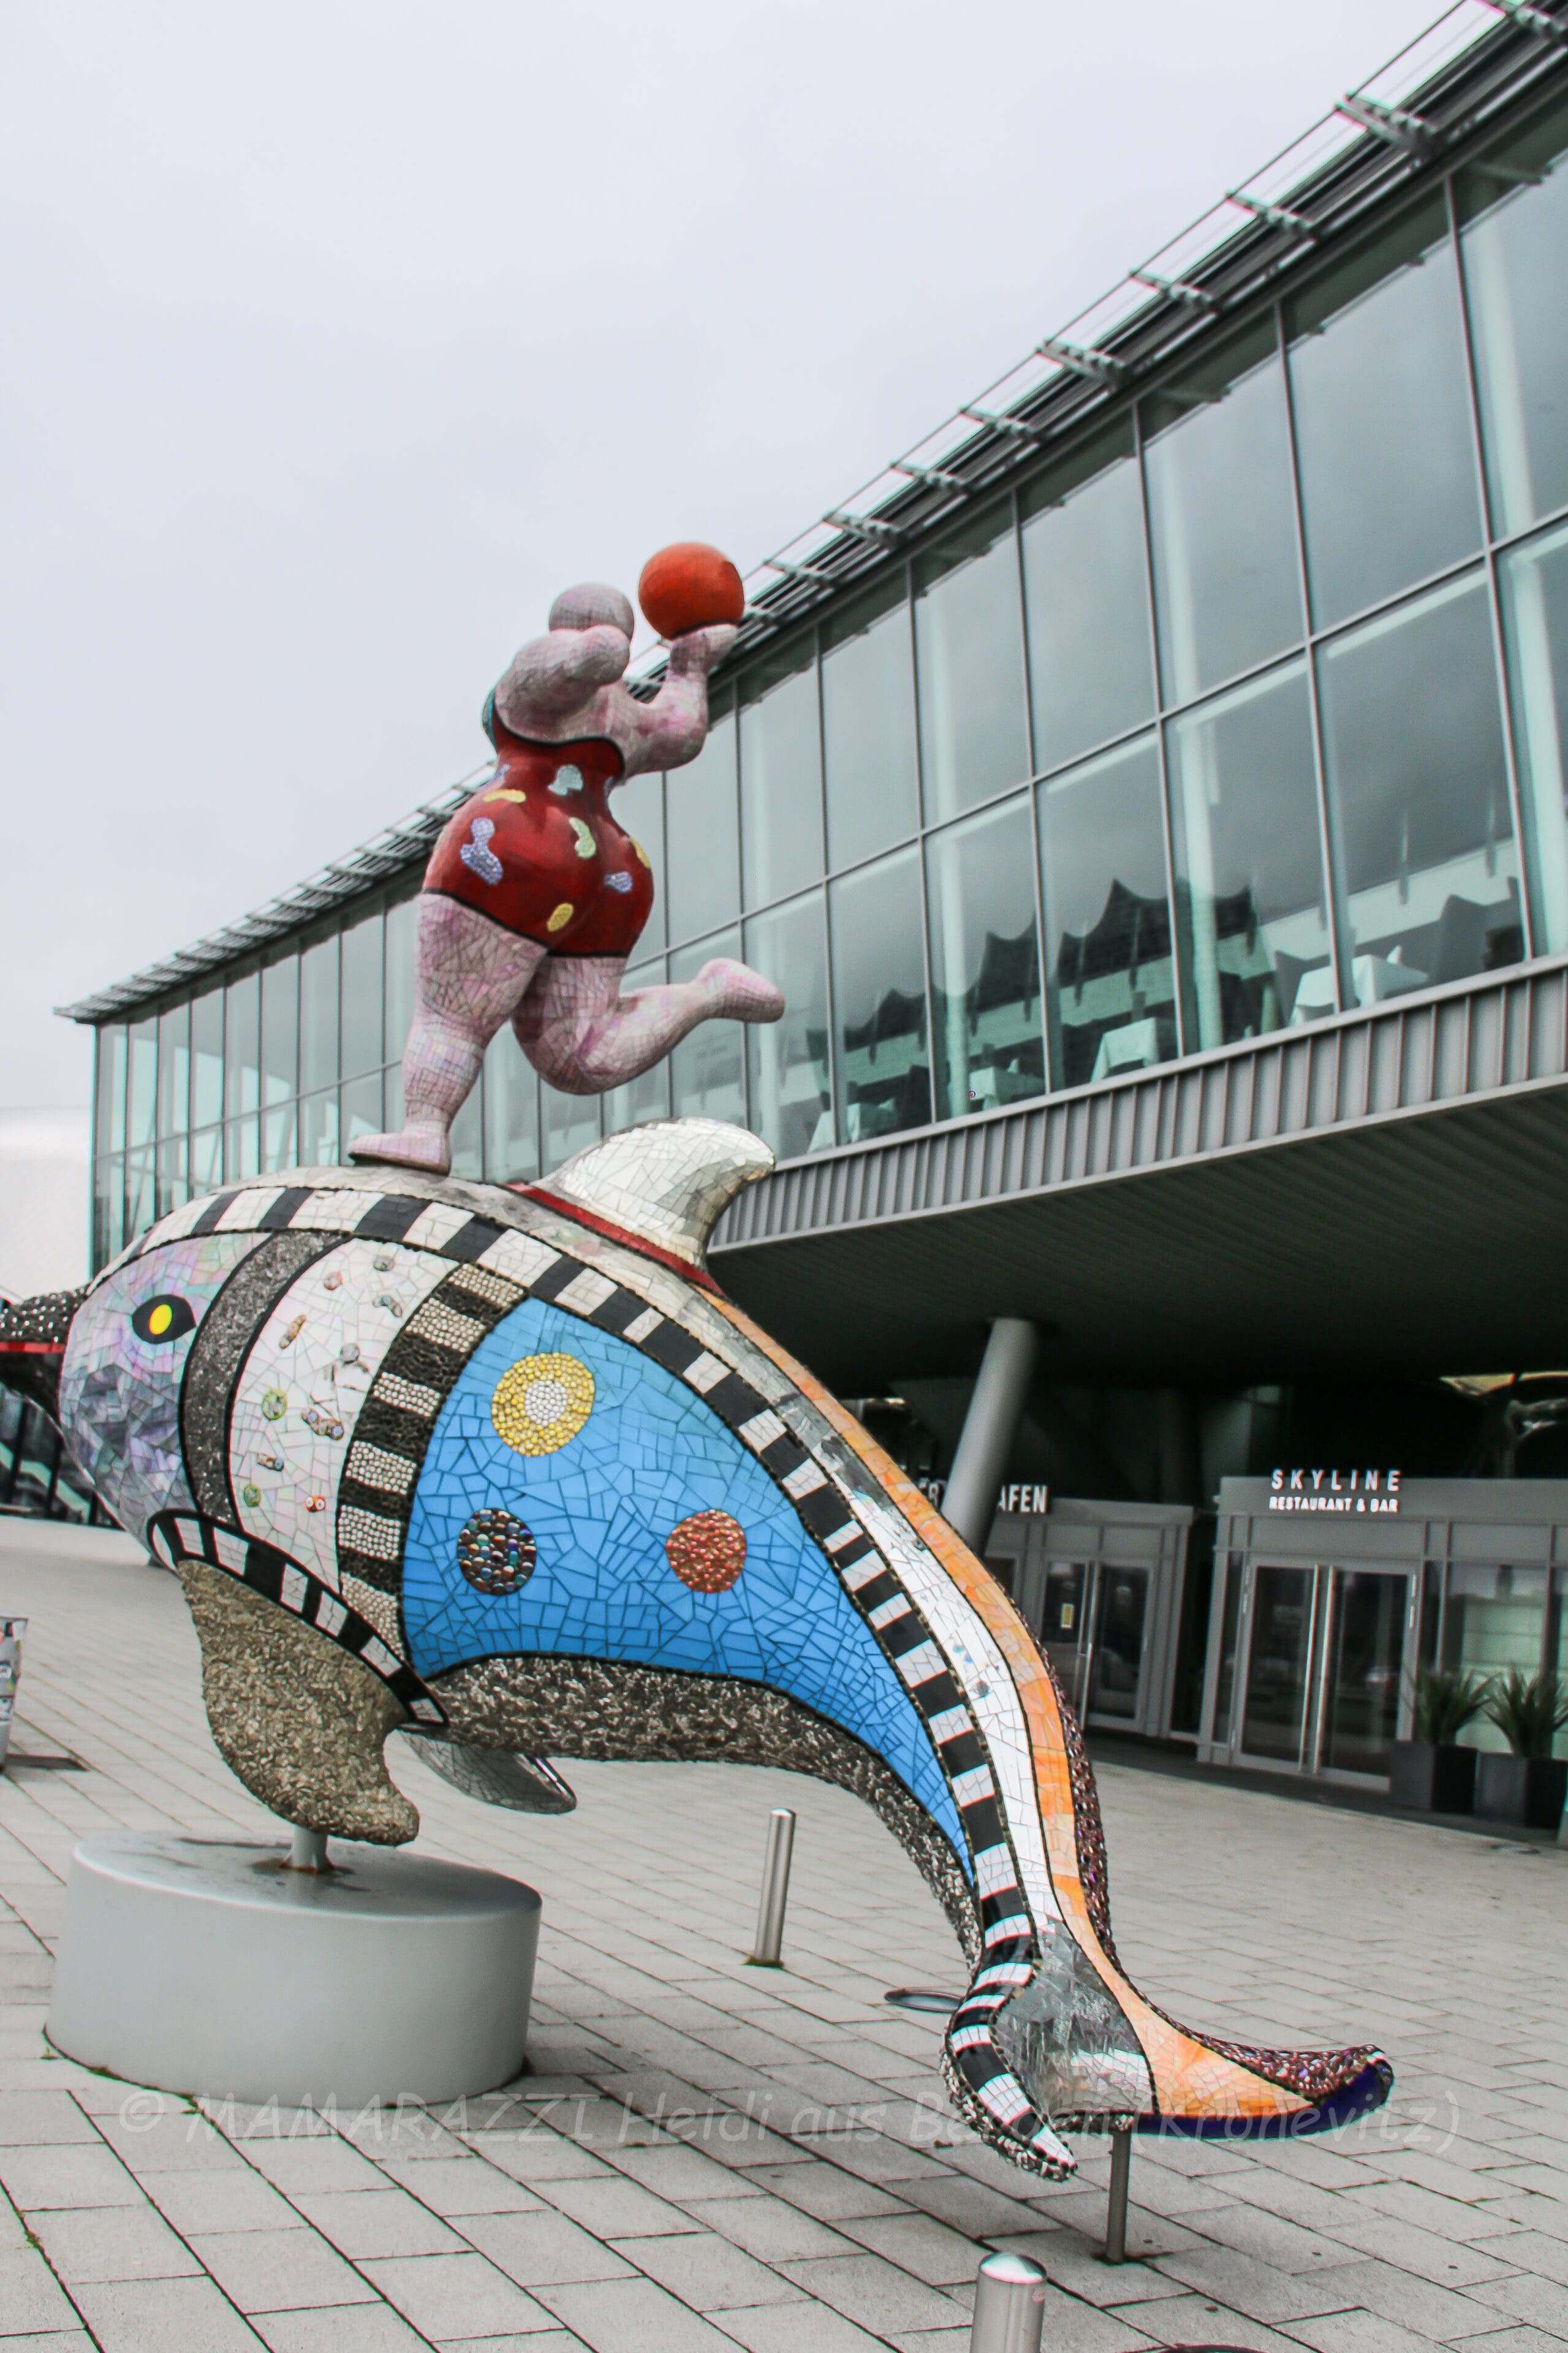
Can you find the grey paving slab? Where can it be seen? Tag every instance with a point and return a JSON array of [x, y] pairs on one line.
[[277, 2271], [632, 2315], [111, 2242], [384, 2221], [460, 2185], [708, 2272], [31, 2298], [440, 2293], [67, 2173], [158, 2316], [543, 2248], [341, 2328]]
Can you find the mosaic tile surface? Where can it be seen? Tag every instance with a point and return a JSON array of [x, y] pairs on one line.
[[506, 1467]]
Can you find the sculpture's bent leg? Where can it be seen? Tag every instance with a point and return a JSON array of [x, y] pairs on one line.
[[471, 975], [301, 1721], [582, 1036]]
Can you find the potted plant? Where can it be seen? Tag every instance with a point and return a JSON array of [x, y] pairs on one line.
[[1430, 1771], [1525, 1788]]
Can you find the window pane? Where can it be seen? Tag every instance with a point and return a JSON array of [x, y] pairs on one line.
[[401, 921], [569, 1124], [141, 1113], [318, 1130], [107, 1210], [362, 1110], [109, 1072], [361, 983], [792, 1106], [1536, 623], [242, 1045], [281, 1138], [638, 808], [512, 1112], [140, 1210], [206, 1160], [1249, 872], [174, 1071], [1516, 264], [1419, 786], [985, 963], [206, 1058], [708, 1069], [869, 726], [279, 1032], [970, 663], [1110, 976], [242, 1149], [1382, 419], [1086, 599], [318, 1015], [647, 1097], [880, 1000], [1226, 587], [701, 837], [174, 1174], [781, 776]]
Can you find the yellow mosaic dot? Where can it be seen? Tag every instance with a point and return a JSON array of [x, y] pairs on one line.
[[586, 845], [640, 851], [564, 915], [542, 1403], [508, 793]]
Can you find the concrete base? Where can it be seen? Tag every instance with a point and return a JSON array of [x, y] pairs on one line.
[[208, 1967]]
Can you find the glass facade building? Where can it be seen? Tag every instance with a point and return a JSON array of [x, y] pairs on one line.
[[1243, 708]]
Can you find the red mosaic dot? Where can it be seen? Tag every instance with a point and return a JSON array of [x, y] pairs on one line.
[[707, 1552]]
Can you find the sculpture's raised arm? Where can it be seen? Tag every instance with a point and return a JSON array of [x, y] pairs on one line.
[[671, 729]]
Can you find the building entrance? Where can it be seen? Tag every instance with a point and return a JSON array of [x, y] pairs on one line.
[[1332, 1595], [1325, 1651], [1101, 1583]]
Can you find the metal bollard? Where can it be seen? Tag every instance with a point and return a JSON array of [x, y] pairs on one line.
[[11, 1632], [1009, 2301], [1116, 2205], [775, 1888], [308, 1850]]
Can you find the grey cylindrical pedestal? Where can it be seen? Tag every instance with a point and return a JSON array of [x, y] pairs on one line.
[[203, 1967]]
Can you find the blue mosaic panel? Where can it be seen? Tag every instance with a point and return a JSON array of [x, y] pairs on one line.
[[120, 1390], [600, 1507]]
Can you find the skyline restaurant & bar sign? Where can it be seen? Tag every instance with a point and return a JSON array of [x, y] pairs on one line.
[[1334, 1490]]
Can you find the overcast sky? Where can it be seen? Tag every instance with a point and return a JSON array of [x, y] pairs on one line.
[[344, 334]]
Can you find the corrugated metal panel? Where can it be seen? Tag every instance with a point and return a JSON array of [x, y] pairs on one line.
[[1448, 1046]]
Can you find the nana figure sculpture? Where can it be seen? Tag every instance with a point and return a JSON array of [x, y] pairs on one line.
[[535, 897]]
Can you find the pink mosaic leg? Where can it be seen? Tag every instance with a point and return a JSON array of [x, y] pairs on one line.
[[469, 977], [582, 1036]]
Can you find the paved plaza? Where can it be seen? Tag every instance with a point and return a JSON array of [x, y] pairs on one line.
[[706, 2155]]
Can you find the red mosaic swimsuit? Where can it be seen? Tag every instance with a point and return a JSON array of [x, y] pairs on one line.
[[537, 851]]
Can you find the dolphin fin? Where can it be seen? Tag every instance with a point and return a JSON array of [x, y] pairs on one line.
[[666, 1184]]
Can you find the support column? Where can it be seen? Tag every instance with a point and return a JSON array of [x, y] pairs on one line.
[[969, 1500]]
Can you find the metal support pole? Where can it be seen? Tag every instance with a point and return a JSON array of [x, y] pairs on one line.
[[969, 1500], [775, 1888], [308, 1850], [1116, 2205], [1009, 2305]]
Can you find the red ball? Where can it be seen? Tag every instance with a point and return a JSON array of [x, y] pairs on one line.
[[690, 587]]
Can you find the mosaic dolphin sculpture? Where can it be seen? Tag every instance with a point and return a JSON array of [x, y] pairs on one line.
[[506, 1470]]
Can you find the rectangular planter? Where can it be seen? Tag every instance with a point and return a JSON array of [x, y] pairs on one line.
[[1526, 1792], [1432, 1779]]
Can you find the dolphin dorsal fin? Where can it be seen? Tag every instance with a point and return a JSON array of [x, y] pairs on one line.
[[666, 1183]]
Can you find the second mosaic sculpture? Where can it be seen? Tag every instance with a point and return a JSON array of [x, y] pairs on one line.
[[505, 1470]]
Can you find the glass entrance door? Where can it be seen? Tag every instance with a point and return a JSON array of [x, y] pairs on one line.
[[1365, 1656], [1326, 1650], [1116, 1664], [1274, 1718]]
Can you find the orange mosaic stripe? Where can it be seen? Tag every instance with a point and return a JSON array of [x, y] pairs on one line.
[[1190, 2080]]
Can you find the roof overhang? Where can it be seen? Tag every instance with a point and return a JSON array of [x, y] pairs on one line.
[[1384, 1195]]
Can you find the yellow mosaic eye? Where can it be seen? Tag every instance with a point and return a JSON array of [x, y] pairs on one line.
[[564, 915], [542, 1403]]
